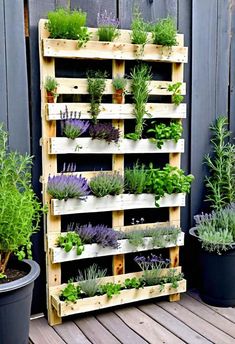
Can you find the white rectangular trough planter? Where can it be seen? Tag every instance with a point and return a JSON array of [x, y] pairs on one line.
[[57, 111], [64, 308], [58, 254], [113, 203], [63, 145]]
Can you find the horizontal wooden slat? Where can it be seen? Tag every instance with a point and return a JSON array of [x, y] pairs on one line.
[[58, 255], [57, 111], [79, 86], [112, 203], [63, 145], [125, 296], [63, 48]]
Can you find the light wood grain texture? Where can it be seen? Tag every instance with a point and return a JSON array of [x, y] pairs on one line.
[[57, 111], [39, 329], [113, 203], [71, 334], [146, 327], [63, 145]]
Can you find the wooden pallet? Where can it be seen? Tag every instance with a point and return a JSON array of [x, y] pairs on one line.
[[119, 52]]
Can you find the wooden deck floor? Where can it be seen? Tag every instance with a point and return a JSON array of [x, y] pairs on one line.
[[187, 321]]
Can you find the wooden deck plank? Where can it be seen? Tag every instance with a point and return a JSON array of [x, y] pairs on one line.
[[226, 312], [196, 323], [94, 331], [40, 332], [146, 327], [172, 324], [208, 314], [71, 334], [119, 329]]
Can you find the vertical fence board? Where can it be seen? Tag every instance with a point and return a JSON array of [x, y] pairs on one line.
[[204, 51], [92, 7], [17, 83], [3, 83], [151, 10], [232, 72]]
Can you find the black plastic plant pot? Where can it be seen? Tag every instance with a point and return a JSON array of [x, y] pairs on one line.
[[217, 278], [15, 305]]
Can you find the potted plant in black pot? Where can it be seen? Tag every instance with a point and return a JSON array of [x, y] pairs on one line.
[[216, 231], [19, 218]]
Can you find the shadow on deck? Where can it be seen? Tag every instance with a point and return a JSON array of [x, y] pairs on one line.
[[187, 321]]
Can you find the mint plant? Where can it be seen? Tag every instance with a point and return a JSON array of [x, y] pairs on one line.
[[177, 98], [69, 241], [110, 289], [70, 293], [164, 132]]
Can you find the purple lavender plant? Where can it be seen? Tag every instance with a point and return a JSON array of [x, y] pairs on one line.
[[75, 127], [107, 26], [152, 262], [99, 234], [104, 131], [67, 186]]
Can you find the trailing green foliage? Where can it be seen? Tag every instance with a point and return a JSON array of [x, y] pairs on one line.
[[20, 210], [96, 86], [164, 32], [69, 241], [221, 165], [89, 280], [164, 132], [140, 76], [135, 179], [66, 24], [107, 184], [177, 98]]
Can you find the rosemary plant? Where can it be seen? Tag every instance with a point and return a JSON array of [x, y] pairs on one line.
[[140, 89], [96, 87]]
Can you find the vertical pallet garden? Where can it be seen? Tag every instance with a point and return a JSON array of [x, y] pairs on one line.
[[118, 52]]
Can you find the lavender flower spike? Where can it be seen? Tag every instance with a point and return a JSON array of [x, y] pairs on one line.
[[75, 128], [106, 19], [67, 186]]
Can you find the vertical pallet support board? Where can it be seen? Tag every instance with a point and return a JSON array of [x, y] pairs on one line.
[[118, 52]]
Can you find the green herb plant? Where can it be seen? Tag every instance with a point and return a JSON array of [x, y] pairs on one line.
[[96, 86], [135, 179], [51, 85], [71, 292], [139, 31], [20, 210], [66, 24], [119, 82], [90, 279], [141, 77], [164, 32], [69, 241], [110, 289], [177, 98], [107, 184], [220, 182], [164, 132], [134, 282]]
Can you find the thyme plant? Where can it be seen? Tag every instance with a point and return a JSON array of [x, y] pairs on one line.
[[140, 76], [164, 32], [220, 182], [96, 87], [106, 184]]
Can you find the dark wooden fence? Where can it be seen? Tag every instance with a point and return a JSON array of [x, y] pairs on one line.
[[208, 26]]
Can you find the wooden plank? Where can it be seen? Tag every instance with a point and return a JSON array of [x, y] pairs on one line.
[[58, 255], [232, 74], [112, 111], [17, 81], [79, 86], [70, 333], [112, 50], [150, 10], [125, 296], [226, 312], [119, 329], [146, 327], [39, 330], [196, 323], [3, 76], [208, 314], [94, 330], [173, 325], [112, 203], [86, 145]]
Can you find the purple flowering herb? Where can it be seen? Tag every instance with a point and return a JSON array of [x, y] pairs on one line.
[[107, 26], [99, 234], [104, 131], [152, 262], [107, 184], [75, 127], [67, 186]]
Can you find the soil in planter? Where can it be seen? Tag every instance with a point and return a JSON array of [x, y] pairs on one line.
[[12, 275]]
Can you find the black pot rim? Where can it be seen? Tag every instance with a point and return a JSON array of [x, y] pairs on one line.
[[192, 231], [22, 282]]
